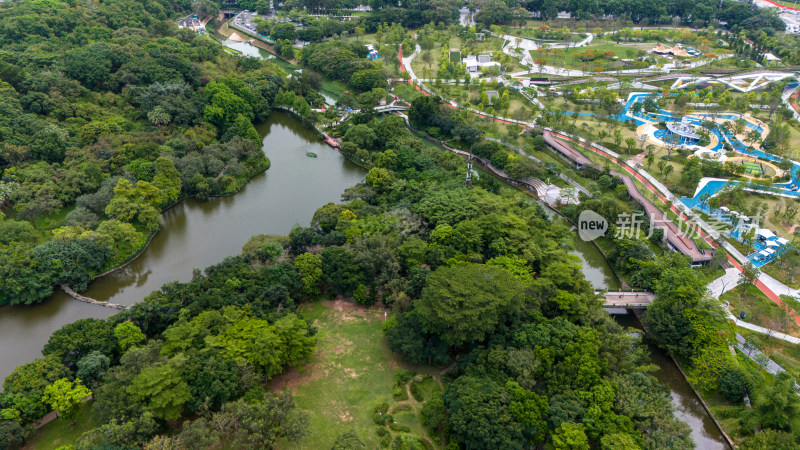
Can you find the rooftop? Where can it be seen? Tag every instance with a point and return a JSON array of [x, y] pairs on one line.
[[683, 128]]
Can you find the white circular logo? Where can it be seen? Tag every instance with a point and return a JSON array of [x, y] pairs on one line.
[[591, 225]]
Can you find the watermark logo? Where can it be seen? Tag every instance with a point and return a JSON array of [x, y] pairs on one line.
[[591, 225]]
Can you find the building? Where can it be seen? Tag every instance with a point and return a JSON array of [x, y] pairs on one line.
[[770, 59], [674, 51], [455, 55], [474, 63], [682, 133]]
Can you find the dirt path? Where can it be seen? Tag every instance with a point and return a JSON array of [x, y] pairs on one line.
[[417, 406]]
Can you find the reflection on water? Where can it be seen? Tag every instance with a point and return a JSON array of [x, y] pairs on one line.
[[705, 433], [596, 268], [248, 49]]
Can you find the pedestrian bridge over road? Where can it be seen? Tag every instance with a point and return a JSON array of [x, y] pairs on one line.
[[627, 299]]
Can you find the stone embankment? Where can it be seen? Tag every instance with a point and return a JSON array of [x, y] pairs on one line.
[[85, 299]]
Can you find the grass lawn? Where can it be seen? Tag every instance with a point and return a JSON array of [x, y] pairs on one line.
[[566, 57], [53, 220], [62, 432], [760, 309], [493, 45], [786, 269], [352, 371], [406, 92], [788, 3]]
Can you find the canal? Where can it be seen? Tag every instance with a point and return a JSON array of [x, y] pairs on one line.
[[688, 408]]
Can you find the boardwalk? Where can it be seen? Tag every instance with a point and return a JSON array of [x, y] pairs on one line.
[[673, 235]]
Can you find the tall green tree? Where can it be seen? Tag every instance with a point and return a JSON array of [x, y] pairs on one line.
[[64, 396], [465, 303]]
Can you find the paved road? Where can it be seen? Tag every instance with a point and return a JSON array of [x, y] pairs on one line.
[[467, 19]]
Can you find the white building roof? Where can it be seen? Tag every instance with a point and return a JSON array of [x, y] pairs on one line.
[[782, 241]]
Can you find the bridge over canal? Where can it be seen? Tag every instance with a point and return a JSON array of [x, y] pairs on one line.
[[627, 299]]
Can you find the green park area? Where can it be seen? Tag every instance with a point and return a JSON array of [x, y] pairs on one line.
[[786, 269], [434, 293], [603, 55], [759, 309]]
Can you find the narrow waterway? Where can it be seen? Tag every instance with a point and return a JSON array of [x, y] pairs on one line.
[[198, 234], [705, 433], [596, 268]]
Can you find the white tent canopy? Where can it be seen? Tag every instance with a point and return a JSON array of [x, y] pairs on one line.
[[765, 233], [783, 241]]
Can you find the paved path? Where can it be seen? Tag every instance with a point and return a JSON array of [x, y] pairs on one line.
[[553, 70], [778, 287], [787, 100], [406, 61], [725, 283], [756, 355], [467, 18], [764, 331]]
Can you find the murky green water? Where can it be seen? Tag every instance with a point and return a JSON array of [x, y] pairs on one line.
[[705, 433]]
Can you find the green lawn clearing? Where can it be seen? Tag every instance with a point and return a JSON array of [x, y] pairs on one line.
[[352, 372], [760, 310], [61, 432], [786, 269]]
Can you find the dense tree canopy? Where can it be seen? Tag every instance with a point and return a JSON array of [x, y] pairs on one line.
[[465, 303]]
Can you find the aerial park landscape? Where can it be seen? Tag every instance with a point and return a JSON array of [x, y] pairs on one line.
[[438, 225]]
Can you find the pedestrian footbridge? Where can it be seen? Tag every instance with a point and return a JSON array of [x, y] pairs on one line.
[[626, 299]]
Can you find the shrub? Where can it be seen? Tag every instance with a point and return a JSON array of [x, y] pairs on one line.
[[380, 414], [414, 388], [402, 376], [734, 384], [399, 393], [399, 427]]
